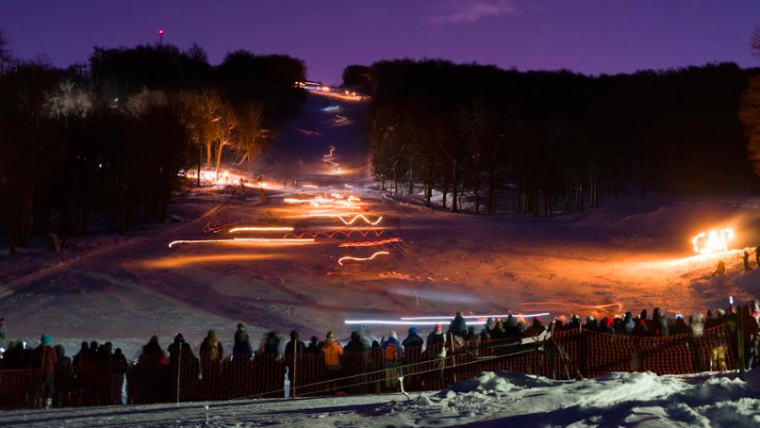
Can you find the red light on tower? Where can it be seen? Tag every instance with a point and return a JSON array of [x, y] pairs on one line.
[[160, 36], [161, 32]]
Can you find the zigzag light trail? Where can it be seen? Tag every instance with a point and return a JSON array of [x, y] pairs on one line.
[[347, 223], [330, 235]]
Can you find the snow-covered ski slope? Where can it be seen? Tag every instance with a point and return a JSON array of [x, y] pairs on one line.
[[490, 400], [630, 254]]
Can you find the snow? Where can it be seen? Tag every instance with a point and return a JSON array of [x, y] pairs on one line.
[[489, 400], [631, 254]]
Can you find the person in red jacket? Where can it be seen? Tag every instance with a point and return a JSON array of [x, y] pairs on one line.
[[45, 359]]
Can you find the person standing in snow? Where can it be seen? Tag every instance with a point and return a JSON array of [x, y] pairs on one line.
[[436, 337], [332, 352], [747, 267], [45, 359], [536, 329], [458, 326], [64, 373], [314, 346], [661, 323], [412, 345], [3, 334], [721, 269], [212, 351], [391, 350], [293, 350], [240, 334]]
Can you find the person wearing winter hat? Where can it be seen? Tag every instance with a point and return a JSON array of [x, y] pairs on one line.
[[412, 345], [436, 337], [45, 358], [332, 352], [392, 350]]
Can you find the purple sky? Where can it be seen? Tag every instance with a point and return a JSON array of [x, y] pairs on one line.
[[590, 36]]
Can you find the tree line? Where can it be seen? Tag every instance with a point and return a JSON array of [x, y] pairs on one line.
[[554, 141], [110, 137]]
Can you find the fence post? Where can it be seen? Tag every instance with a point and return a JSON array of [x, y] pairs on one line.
[[740, 342], [293, 381], [581, 359], [179, 369], [453, 357]]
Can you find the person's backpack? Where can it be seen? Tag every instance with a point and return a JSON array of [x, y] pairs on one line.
[[390, 352], [213, 352]]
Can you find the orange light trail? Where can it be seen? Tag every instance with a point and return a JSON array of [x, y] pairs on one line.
[[174, 262], [330, 235], [407, 277], [369, 243], [379, 253], [347, 223], [310, 186], [260, 229], [242, 241]]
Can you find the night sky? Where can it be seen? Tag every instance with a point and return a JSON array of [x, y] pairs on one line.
[[589, 36]]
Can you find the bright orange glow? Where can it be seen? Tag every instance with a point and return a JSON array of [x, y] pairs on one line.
[[379, 253], [407, 277], [310, 186], [242, 241], [369, 243], [260, 229], [347, 223], [713, 241], [175, 262]]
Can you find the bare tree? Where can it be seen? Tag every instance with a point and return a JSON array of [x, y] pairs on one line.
[[754, 42], [6, 57], [250, 132]]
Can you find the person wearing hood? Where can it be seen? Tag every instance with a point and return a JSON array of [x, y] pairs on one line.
[[45, 358], [641, 329], [661, 323], [436, 337], [536, 329], [356, 361], [241, 335], [605, 326], [498, 332], [332, 353], [120, 367], [212, 351], [458, 326], [412, 345], [392, 351]]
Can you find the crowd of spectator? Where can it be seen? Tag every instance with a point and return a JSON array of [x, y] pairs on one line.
[[97, 373]]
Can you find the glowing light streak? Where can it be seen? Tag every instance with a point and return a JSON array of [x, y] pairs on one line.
[[330, 235], [369, 243], [174, 262], [329, 155], [449, 317], [348, 186], [417, 278], [310, 186], [260, 229], [243, 241], [361, 259], [713, 241], [347, 223], [331, 108], [396, 322]]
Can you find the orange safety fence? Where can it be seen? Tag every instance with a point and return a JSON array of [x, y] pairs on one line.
[[185, 377]]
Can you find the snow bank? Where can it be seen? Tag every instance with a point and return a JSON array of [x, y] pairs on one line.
[[489, 400]]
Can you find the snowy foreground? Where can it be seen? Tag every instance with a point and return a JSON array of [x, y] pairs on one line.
[[492, 400]]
